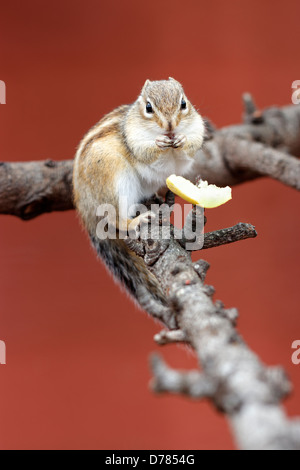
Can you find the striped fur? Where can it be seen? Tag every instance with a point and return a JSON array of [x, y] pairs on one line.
[[120, 157]]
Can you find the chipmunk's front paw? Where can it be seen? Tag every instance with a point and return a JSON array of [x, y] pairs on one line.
[[134, 228], [179, 141], [163, 142]]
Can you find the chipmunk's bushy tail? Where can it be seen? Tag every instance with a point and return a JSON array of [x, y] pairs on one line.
[[130, 270]]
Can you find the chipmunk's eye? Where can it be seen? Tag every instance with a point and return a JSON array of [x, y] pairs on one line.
[[183, 104], [149, 108]]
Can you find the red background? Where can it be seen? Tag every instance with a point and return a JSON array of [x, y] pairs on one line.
[[77, 349]]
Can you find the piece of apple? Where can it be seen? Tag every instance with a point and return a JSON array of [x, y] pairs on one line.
[[204, 195]]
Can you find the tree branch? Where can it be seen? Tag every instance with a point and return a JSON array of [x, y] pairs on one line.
[[191, 383], [233, 234], [30, 189], [230, 156], [233, 377], [242, 155], [170, 336], [238, 232]]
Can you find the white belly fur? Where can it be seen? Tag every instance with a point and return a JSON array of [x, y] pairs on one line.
[[133, 187], [154, 176]]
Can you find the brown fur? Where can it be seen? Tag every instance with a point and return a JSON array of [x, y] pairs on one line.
[[112, 153]]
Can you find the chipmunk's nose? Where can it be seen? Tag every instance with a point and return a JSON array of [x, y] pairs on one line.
[[171, 125], [168, 124]]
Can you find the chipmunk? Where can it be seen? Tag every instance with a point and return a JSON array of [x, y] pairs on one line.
[[129, 154]]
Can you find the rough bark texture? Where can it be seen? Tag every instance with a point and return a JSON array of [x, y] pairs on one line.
[[232, 376], [32, 188]]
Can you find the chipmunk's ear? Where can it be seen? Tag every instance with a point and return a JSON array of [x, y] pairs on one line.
[[173, 80], [146, 84]]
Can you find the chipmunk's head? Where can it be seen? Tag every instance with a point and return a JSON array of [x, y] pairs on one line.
[[165, 104], [163, 117]]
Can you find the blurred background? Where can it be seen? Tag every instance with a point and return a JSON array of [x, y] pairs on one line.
[[77, 373]]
